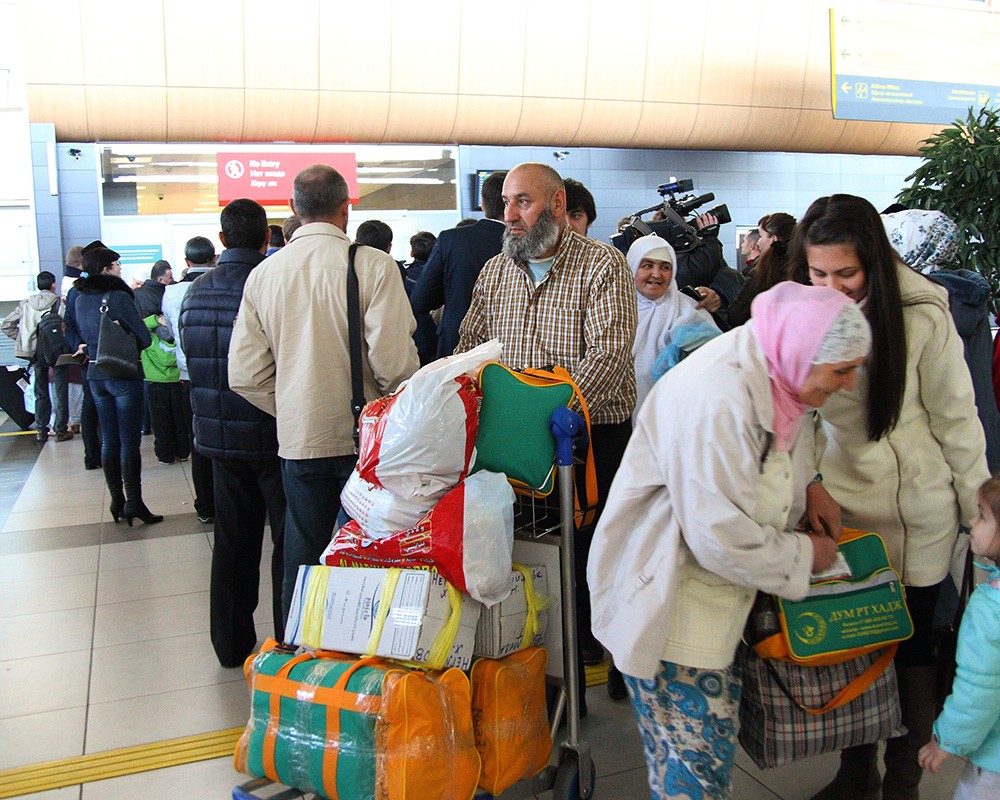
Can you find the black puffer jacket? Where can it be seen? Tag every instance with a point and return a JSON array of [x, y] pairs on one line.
[[225, 425], [149, 298]]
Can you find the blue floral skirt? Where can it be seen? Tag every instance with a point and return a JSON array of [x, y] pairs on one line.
[[687, 718]]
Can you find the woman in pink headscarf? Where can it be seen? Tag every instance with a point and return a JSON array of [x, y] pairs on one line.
[[700, 517]]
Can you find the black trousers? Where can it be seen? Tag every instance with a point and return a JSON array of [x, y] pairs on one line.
[[918, 650], [166, 414], [608, 442], [246, 494], [201, 466]]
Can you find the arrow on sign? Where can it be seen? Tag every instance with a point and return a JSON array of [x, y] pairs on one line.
[[845, 87]]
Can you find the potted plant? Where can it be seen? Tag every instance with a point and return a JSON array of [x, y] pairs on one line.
[[961, 177]]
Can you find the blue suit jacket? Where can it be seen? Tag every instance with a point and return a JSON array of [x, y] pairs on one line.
[[451, 272]]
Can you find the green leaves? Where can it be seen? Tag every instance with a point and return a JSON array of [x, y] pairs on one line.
[[959, 176]]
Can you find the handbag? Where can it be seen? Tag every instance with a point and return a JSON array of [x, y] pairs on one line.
[[842, 617], [516, 405], [777, 725], [358, 729], [818, 672], [509, 718], [117, 353]]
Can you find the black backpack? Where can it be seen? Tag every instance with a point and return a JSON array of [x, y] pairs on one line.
[[51, 338]]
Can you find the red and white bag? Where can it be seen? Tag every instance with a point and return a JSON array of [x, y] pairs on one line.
[[467, 537], [379, 512], [421, 440]]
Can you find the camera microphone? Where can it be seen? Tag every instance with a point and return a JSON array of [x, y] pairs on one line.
[[688, 206]]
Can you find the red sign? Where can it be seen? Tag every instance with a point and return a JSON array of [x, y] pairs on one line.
[[267, 177]]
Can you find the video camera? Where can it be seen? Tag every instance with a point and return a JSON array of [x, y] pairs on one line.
[[677, 230]]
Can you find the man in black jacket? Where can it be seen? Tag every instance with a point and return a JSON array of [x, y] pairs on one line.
[[455, 262], [149, 296], [240, 439]]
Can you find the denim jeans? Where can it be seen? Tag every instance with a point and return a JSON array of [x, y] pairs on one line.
[[119, 407], [312, 500], [90, 428], [43, 403]]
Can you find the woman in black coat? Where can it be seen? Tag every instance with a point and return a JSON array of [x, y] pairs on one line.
[[119, 401]]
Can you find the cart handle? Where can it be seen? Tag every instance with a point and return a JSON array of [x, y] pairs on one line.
[[570, 433]]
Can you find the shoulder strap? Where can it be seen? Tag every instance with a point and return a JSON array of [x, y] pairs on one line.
[[354, 342]]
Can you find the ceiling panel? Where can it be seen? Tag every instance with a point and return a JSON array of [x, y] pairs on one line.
[[190, 112], [716, 74], [132, 57], [197, 60], [281, 51]]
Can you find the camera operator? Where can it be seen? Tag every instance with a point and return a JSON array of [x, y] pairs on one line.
[[705, 268]]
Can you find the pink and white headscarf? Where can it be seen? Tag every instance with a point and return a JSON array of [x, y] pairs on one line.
[[793, 324]]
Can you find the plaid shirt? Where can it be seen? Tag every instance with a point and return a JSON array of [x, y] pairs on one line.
[[581, 316]]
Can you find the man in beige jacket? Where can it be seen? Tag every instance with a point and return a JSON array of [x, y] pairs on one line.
[[289, 356]]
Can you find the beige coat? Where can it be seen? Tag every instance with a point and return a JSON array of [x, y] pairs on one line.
[[915, 485], [289, 351]]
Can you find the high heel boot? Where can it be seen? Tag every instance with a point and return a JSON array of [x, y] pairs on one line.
[[113, 478], [857, 778], [134, 507]]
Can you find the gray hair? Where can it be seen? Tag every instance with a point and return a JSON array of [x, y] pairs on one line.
[[318, 192]]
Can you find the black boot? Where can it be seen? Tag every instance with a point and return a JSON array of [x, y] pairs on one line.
[[857, 778], [134, 507], [917, 698], [616, 684], [113, 478]]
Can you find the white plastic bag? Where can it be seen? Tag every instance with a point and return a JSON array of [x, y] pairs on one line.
[[27, 384], [420, 441]]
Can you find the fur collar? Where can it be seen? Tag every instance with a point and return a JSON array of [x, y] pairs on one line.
[[101, 283]]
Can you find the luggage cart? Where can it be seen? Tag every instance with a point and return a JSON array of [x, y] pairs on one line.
[[573, 777]]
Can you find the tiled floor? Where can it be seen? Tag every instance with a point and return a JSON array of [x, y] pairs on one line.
[[104, 641]]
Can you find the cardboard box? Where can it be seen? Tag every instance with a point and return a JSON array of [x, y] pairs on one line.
[[501, 627], [351, 599], [545, 552]]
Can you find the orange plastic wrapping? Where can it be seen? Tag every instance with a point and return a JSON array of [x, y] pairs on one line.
[[509, 717]]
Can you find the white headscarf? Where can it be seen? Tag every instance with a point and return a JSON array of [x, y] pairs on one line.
[[926, 240], [658, 317]]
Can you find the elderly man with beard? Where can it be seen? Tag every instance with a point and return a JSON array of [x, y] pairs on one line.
[[553, 297]]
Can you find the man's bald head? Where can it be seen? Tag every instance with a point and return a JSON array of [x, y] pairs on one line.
[[545, 177]]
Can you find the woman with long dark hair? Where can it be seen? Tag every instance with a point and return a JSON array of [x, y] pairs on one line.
[[119, 401], [902, 454]]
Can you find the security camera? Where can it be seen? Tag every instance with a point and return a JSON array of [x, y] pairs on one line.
[[561, 154], [75, 153], [131, 159], [159, 196]]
